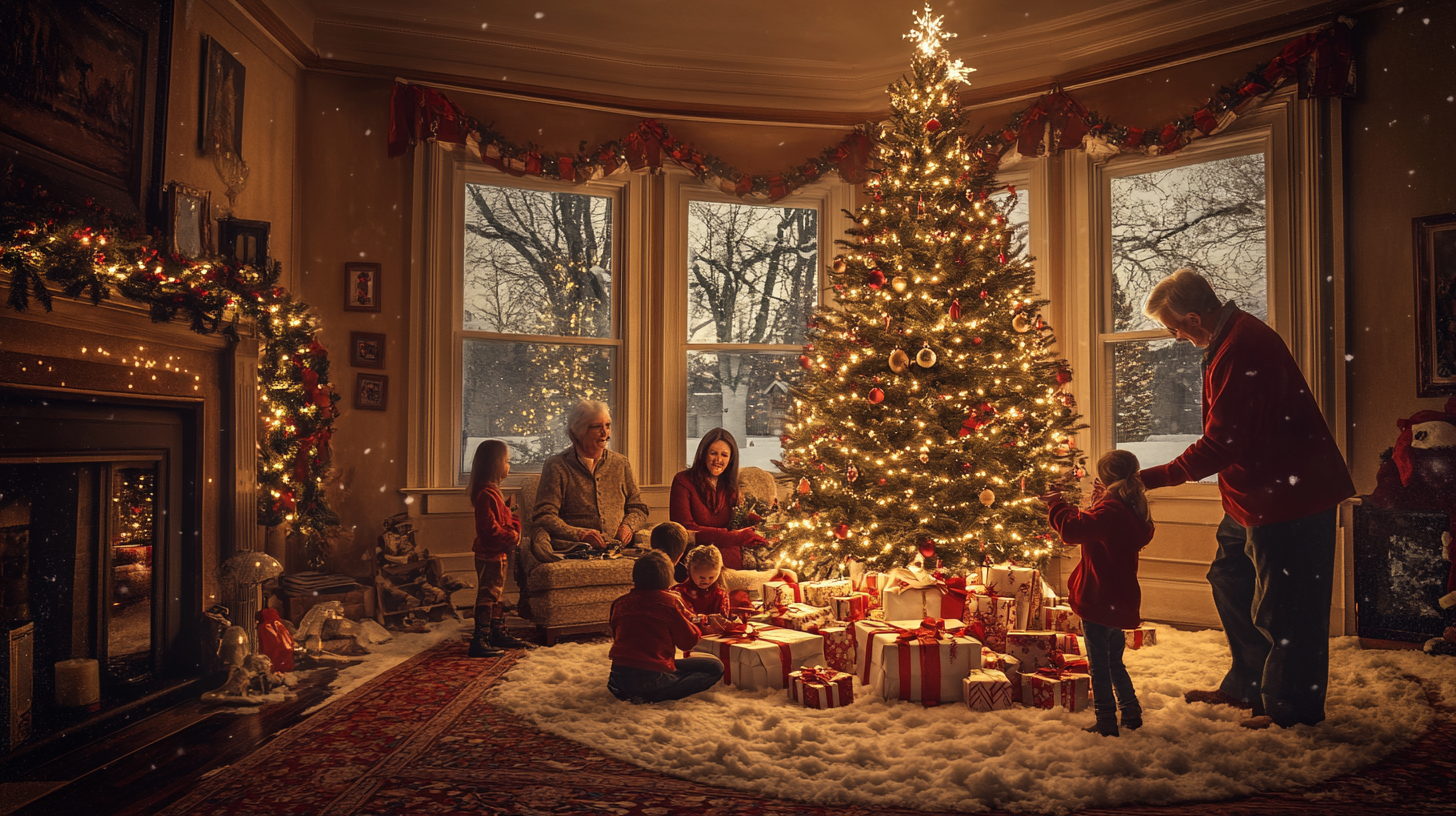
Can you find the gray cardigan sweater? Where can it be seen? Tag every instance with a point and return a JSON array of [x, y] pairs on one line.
[[570, 499]]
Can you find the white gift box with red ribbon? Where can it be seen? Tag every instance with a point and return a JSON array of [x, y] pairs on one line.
[[760, 657], [987, 690], [1060, 619], [1140, 637], [823, 593], [802, 617], [1051, 688], [1032, 650], [781, 593], [927, 670]]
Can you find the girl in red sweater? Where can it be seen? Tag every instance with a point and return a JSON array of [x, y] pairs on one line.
[[497, 531], [705, 590], [1104, 588], [648, 625]]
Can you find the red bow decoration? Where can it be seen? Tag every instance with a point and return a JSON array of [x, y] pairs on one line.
[[817, 674]]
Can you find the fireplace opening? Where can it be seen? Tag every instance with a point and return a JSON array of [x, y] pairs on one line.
[[99, 550]]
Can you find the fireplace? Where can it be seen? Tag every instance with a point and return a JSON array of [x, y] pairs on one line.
[[98, 518]]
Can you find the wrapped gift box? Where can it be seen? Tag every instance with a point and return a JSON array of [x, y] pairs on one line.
[[838, 647], [852, 607], [819, 687], [1060, 619], [870, 637], [911, 603], [986, 690], [760, 657], [1050, 688], [781, 593], [996, 614], [1071, 644], [822, 593], [1022, 583], [1140, 637], [872, 584], [926, 669], [1032, 650], [801, 617], [1070, 662]]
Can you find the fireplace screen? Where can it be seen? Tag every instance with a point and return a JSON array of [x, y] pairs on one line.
[[131, 534]]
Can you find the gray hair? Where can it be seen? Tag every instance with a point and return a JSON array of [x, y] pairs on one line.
[[1180, 293], [582, 414]]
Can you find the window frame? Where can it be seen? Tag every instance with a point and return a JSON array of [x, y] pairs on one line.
[[437, 333], [830, 196]]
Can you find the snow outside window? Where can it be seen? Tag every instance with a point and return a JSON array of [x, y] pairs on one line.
[[753, 280], [537, 329], [1210, 216]]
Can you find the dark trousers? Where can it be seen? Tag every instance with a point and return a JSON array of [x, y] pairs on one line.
[[1272, 585], [694, 674], [1109, 676]]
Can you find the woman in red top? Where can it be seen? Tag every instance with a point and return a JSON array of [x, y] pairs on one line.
[[1104, 587], [497, 531], [704, 495], [648, 625]]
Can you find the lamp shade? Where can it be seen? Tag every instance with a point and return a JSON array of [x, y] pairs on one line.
[[251, 568]]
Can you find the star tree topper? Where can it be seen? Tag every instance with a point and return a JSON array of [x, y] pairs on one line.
[[929, 36]]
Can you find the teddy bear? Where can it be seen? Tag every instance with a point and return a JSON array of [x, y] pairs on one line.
[[1419, 473]]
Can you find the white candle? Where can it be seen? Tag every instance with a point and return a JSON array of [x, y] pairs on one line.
[[78, 682]]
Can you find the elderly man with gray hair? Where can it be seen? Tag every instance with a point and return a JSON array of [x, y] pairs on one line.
[[587, 494], [1280, 476]]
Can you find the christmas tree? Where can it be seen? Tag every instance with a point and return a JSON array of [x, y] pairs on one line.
[[931, 412]]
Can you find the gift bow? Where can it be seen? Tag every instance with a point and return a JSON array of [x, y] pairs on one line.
[[1054, 672], [743, 633], [817, 674]]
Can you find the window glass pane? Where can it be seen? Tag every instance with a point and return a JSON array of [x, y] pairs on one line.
[[752, 272], [747, 394], [1157, 398], [537, 262], [520, 393], [1208, 216], [133, 533], [1019, 219]]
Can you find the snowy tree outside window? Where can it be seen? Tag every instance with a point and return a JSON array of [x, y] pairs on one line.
[[752, 283], [537, 330], [1209, 216]]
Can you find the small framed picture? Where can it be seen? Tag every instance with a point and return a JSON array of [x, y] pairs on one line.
[[189, 225], [1435, 256], [361, 287], [371, 392], [243, 241], [366, 350]]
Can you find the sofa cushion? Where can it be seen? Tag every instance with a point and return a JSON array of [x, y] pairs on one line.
[[616, 573], [571, 614]]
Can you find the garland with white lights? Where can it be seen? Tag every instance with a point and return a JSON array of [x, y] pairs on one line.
[[81, 251]]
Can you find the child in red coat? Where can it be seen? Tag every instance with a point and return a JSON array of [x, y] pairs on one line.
[[705, 590], [1104, 587], [497, 531], [648, 625]]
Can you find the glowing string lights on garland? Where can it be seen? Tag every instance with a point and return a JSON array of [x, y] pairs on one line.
[[42, 241]]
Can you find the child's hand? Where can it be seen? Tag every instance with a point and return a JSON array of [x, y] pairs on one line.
[[511, 502]]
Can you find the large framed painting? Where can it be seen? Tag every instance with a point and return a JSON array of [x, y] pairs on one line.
[[83, 94], [1435, 257], [223, 83]]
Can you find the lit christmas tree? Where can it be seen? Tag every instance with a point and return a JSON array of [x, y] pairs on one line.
[[931, 413]]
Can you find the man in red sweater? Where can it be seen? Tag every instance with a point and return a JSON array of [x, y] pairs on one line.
[[1281, 478]]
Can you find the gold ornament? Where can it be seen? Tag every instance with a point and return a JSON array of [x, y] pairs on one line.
[[987, 497], [1021, 323], [840, 265], [925, 358], [899, 284], [899, 361], [924, 457]]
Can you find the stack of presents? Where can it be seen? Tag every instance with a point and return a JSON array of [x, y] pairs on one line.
[[991, 639]]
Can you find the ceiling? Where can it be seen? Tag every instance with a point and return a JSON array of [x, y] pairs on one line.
[[787, 55]]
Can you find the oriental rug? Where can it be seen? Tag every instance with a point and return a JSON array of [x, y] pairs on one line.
[[426, 738]]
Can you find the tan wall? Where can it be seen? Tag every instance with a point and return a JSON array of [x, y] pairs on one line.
[[270, 122], [1399, 165]]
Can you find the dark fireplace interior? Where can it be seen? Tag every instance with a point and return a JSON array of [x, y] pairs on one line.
[[98, 543]]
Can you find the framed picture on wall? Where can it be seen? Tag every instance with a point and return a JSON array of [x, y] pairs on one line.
[[1435, 257], [366, 350], [223, 83], [189, 225], [371, 392], [361, 287]]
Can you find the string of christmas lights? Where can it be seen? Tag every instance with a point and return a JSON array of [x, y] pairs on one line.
[[81, 250]]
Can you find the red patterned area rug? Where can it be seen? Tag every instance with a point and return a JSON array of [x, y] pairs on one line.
[[421, 739]]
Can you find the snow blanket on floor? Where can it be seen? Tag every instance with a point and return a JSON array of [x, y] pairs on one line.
[[874, 753]]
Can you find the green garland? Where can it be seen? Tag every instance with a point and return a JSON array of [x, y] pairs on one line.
[[85, 254]]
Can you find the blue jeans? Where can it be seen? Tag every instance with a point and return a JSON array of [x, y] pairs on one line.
[[1272, 585], [1104, 659], [694, 674]]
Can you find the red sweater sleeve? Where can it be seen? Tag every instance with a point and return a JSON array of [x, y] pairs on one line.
[[1074, 525], [496, 528]]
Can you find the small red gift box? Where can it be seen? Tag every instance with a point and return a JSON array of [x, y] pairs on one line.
[[852, 607], [1070, 662], [819, 687]]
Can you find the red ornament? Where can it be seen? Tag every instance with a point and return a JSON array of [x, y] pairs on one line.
[[804, 361], [803, 485], [882, 481], [977, 341], [876, 279], [841, 532], [955, 309], [1064, 376], [927, 547], [876, 396], [985, 294], [932, 125]]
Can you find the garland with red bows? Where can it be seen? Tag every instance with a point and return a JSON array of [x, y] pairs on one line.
[[45, 242]]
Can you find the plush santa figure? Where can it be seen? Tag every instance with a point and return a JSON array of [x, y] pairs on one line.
[[1419, 473]]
